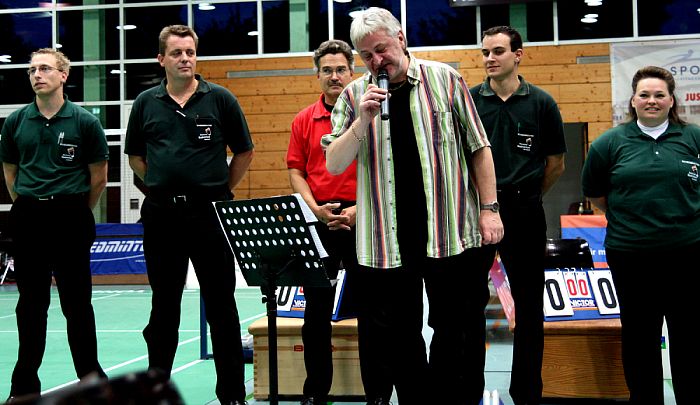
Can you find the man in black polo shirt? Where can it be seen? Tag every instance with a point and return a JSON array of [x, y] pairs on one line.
[[527, 141], [54, 157], [176, 141]]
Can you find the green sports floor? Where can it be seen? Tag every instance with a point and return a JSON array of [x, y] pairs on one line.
[[122, 312]]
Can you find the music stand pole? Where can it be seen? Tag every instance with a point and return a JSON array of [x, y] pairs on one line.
[[270, 301]]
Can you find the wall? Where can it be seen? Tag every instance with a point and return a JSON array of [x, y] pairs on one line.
[[577, 76]]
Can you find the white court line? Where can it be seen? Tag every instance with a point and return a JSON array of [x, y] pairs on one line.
[[186, 366], [115, 367], [105, 297], [58, 387], [126, 363], [59, 306], [254, 317]]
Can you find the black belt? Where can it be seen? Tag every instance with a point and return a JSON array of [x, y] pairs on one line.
[[518, 192], [57, 197], [189, 197]]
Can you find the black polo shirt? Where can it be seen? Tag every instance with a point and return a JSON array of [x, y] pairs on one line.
[[523, 131], [652, 186], [185, 148], [52, 155]]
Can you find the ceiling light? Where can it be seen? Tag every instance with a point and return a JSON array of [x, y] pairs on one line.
[[116, 71], [343, 1], [253, 33], [590, 16], [593, 3], [206, 6], [59, 46], [126, 27], [5, 58], [49, 4], [589, 20]]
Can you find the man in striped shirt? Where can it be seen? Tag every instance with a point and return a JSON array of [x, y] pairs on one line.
[[420, 177]]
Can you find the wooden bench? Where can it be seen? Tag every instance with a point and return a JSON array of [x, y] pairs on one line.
[[290, 352], [583, 359]]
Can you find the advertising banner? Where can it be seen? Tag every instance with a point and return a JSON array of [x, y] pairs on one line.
[[118, 249], [680, 57], [592, 229], [291, 301]]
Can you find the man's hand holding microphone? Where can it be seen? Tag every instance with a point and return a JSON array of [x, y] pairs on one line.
[[376, 98]]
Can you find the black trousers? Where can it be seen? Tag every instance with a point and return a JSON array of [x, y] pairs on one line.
[[392, 299], [173, 233], [651, 285], [457, 289], [522, 252], [52, 238], [317, 329], [392, 349]]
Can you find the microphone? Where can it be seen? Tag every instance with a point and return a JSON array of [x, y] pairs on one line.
[[383, 81]]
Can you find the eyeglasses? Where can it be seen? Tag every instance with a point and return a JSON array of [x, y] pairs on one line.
[[340, 71], [43, 69]]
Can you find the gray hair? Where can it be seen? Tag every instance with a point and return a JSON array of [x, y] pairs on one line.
[[372, 20]]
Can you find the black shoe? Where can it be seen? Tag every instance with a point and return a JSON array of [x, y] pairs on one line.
[[238, 402]]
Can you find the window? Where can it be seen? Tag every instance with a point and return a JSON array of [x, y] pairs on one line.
[[92, 83], [229, 29], [142, 40], [98, 25], [276, 14], [24, 33], [142, 76], [533, 20], [318, 24], [87, 2], [668, 17], [19, 3], [431, 23], [15, 87], [613, 19]]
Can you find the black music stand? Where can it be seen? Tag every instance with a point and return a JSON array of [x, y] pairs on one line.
[[276, 244]]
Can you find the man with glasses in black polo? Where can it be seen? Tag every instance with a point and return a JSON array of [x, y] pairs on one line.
[[54, 157]]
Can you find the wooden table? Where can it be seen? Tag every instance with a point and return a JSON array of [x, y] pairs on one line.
[[583, 359]]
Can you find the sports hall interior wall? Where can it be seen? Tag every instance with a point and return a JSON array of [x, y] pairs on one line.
[[577, 76]]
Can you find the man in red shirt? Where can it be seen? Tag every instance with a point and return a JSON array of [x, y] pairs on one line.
[[332, 200]]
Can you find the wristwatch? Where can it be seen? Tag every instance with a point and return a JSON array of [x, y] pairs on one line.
[[492, 206]]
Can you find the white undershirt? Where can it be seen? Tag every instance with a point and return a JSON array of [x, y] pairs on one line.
[[654, 132]]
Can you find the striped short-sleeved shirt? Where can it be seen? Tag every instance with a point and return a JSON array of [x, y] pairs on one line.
[[447, 130]]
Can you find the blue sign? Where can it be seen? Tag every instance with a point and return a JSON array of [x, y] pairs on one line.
[[118, 249]]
